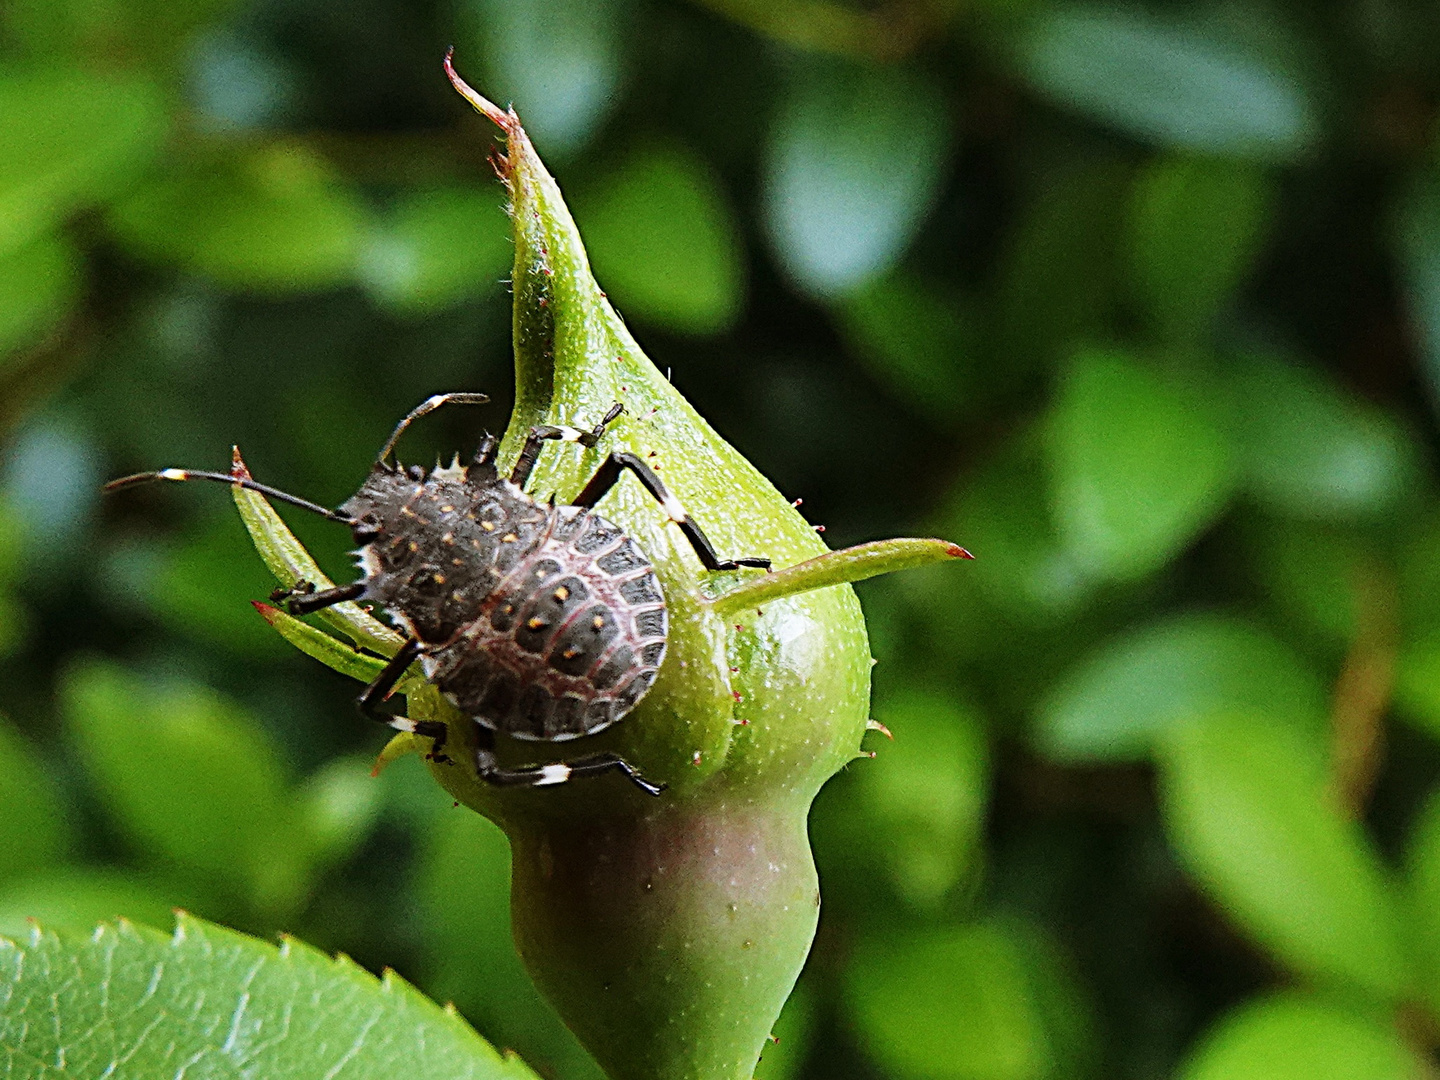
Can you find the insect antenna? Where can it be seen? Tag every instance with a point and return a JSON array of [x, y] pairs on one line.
[[233, 480]]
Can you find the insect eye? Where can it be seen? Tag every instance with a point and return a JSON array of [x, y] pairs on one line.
[[416, 472]]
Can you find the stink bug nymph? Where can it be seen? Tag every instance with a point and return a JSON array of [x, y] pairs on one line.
[[539, 621]]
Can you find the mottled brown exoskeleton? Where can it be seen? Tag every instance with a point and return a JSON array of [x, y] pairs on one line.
[[539, 621]]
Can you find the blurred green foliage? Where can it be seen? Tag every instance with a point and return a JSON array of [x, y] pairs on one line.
[[1140, 303]]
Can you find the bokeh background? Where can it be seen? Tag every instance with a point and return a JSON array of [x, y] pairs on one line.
[[1142, 304]]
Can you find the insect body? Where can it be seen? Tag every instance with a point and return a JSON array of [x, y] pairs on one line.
[[541, 622]]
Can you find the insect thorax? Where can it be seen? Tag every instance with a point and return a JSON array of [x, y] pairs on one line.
[[541, 622]]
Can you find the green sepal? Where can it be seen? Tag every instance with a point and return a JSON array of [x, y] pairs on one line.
[[292, 564], [841, 567], [329, 650]]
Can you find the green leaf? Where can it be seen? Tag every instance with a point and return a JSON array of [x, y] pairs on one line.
[[1185, 84], [790, 1042], [338, 805], [463, 889], [14, 623], [908, 826], [1417, 683], [72, 139], [1246, 804], [561, 60], [1138, 466], [79, 898], [922, 805], [191, 779], [1415, 237], [1311, 572], [1060, 274], [1024, 567], [917, 341], [435, 249], [856, 159], [1117, 702], [663, 240], [204, 590], [1294, 1036], [14, 619], [12, 541], [1422, 865], [35, 832], [39, 283], [134, 1004], [1196, 226], [1419, 577], [1309, 449], [152, 30], [268, 220], [961, 1003]]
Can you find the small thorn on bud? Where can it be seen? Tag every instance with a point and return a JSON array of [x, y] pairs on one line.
[[868, 753], [267, 612], [875, 725], [733, 670], [818, 528], [742, 723], [736, 695], [774, 1038], [455, 805], [955, 551], [798, 502], [739, 627], [695, 758]]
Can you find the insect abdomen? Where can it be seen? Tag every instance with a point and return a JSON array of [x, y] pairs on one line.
[[569, 640]]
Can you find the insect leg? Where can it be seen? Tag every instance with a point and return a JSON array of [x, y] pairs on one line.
[[609, 474], [492, 772], [307, 601], [530, 453], [383, 685]]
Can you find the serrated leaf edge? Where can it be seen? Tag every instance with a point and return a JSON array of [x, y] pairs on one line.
[[190, 929]]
